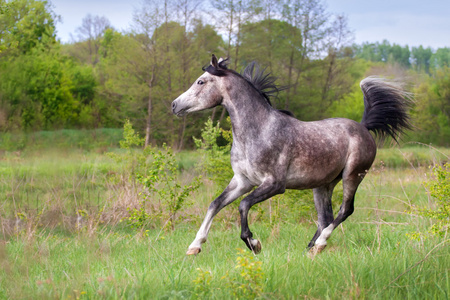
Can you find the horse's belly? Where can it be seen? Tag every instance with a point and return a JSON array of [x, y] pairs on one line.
[[309, 178]]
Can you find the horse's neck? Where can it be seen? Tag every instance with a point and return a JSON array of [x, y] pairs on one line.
[[248, 112]]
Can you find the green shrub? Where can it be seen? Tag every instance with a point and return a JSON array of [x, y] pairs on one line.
[[247, 280], [160, 179], [215, 162], [202, 283], [439, 190], [157, 172]]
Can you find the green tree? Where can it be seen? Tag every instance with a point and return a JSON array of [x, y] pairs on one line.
[[25, 24], [42, 89], [39, 87], [421, 58], [441, 58], [87, 45], [231, 15], [271, 43], [432, 112], [384, 52]]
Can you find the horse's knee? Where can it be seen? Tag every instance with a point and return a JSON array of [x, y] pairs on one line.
[[348, 209], [215, 204], [244, 207], [279, 187]]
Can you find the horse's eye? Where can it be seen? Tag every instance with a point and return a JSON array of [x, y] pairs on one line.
[[200, 82]]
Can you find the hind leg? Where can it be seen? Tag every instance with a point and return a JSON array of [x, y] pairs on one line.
[[322, 202], [350, 185]]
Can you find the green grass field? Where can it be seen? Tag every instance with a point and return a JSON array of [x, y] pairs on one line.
[[64, 234]]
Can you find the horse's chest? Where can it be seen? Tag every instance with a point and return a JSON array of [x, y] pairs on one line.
[[254, 165]]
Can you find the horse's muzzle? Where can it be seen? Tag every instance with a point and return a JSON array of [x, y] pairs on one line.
[[178, 110], [174, 106]]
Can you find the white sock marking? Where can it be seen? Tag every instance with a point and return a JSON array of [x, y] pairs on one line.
[[326, 233]]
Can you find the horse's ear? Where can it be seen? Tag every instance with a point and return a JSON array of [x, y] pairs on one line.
[[221, 60], [214, 62]]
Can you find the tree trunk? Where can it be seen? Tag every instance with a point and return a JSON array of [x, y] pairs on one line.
[[213, 114], [148, 127], [328, 80], [288, 94], [238, 40], [181, 133], [222, 115]]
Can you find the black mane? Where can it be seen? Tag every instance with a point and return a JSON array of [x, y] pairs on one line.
[[253, 74], [263, 82]]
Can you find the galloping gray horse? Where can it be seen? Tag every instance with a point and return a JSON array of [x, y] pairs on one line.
[[274, 151]]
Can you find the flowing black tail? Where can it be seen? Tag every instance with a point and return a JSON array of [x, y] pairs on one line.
[[386, 106]]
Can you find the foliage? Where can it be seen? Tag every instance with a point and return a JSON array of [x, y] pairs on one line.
[[105, 77], [432, 112], [161, 180], [157, 171], [351, 106], [296, 205], [385, 52], [25, 25], [215, 161], [130, 137], [439, 189], [246, 282], [202, 283]]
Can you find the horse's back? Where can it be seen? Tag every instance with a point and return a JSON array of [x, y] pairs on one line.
[[322, 150]]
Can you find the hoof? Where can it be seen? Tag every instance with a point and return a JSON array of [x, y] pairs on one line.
[[257, 249], [193, 251], [316, 250]]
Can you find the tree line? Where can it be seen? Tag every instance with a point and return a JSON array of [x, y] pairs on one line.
[[104, 77]]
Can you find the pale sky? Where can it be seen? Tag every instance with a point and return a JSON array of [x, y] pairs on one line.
[[404, 22]]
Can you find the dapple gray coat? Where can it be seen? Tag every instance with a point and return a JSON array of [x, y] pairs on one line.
[[274, 151]]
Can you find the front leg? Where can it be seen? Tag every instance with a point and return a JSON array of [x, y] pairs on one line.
[[237, 187], [266, 190]]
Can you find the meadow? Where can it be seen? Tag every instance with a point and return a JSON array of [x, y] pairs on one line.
[[68, 231]]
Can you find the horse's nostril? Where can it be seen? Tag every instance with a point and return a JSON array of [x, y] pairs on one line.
[[173, 105]]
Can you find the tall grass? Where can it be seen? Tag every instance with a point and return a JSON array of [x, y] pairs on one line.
[[62, 235], [63, 139], [119, 264], [412, 155]]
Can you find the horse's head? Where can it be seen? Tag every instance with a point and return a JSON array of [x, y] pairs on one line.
[[206, 91]]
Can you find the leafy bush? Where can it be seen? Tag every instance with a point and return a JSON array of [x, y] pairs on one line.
[[247, 281], [215, 161], [160, 179], [157, 172], [244, 280], [202, 283], [439, 189]]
